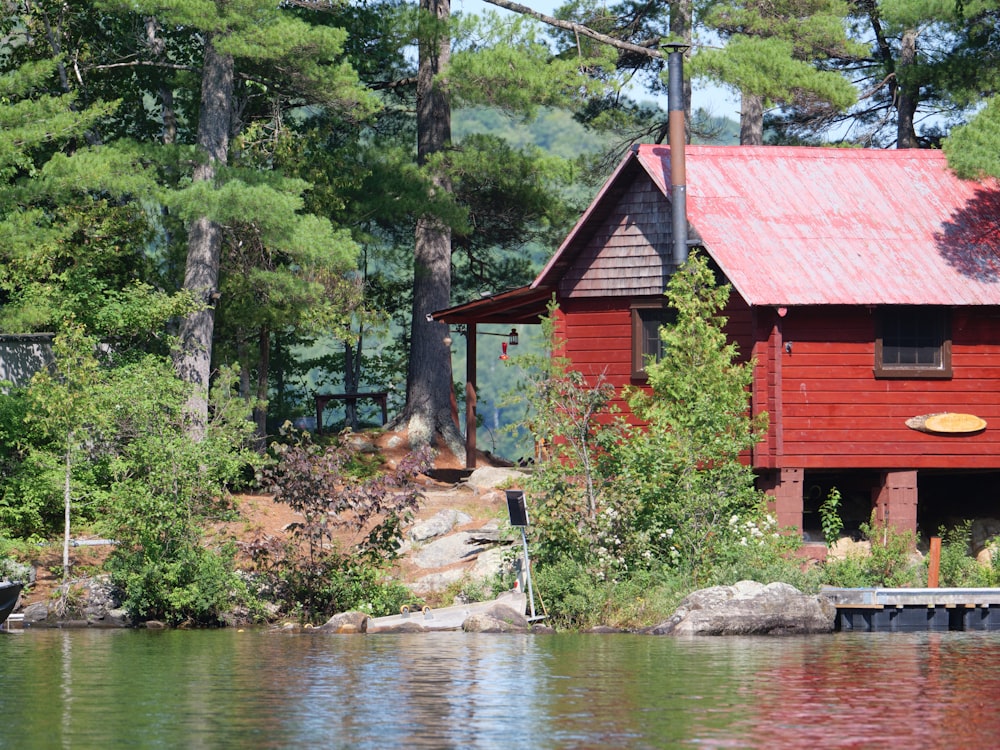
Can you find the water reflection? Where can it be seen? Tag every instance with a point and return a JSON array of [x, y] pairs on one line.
[[260, 689]]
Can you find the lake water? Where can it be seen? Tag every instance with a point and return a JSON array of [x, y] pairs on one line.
[[266, 689]]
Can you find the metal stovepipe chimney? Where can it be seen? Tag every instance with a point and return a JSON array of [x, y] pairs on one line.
[[678, 136]]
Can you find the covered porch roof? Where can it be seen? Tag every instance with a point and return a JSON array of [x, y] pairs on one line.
[[525, 305]]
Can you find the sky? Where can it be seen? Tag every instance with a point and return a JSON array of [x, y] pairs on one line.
[[716, 100]]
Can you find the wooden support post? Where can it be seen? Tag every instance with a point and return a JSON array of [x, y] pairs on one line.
[[934, 563], [470, 396]]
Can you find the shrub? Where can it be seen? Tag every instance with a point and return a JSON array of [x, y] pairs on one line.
[[890, 563], [958, 568], [572, 597], [164, 487], [830, 520], [684, 468], [351, 529]]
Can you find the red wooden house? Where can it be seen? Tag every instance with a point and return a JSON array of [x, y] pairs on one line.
[[866, 284]]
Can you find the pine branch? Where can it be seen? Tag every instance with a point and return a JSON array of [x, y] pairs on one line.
[[577, 28]]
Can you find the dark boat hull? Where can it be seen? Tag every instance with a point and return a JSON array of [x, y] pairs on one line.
[[9, 594]]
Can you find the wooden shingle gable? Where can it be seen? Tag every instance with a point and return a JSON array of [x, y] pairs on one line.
[[628, 251]]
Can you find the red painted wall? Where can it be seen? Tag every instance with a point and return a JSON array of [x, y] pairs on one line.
[[827, 410], [598, 336], [836, 414]]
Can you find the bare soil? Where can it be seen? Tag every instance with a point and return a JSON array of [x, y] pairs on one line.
[[259, 515]]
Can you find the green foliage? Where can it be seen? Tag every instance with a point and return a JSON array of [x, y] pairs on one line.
[[570, 419], [989, 575], [829, 515], [767, 67], [312, 572], [613, 505], [575, 599], [164, 488], [752, 547], [890, 563], [167, 573], [957, 567], [973, 150], [110, 433], [684, 469], [506, 63]]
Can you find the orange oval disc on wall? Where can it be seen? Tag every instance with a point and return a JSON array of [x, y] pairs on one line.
[[947, 423]]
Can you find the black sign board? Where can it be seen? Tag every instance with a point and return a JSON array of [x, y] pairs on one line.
[[516, 508]]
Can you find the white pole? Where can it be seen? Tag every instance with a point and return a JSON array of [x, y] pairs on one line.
[[527, 574]]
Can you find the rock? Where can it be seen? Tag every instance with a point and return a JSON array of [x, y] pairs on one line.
[[447, 551], [408, 626], [361, 443], [750, 608], [36, 614], [604, 630], [497, 619], [490, 477], [345, 622], [846, 547], [93, 603], [434, 583], [488, 564], [985, 556], [982, 532], [439, 524], [539, 629]]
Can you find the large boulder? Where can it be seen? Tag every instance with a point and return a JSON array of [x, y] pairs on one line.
[[92, 603], [750, 608], [345, 622], [491, 477], [439, 524], [499, 618]]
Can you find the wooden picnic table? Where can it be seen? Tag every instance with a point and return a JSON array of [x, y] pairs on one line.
[[379, 397]]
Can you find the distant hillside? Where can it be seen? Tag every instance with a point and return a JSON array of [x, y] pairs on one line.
[[558, 133]]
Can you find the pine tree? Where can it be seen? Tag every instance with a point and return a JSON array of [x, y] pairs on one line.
[[249, 51], [775, 53]]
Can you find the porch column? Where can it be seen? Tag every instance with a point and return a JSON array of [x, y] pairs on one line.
[[895, 500], [470, 396], [784, 490]]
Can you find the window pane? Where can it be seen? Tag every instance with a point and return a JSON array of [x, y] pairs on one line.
[[912, 338], [647, 319], [651, 344]]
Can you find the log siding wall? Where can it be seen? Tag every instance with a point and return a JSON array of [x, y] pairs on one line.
[[826, 408], [836, 414]]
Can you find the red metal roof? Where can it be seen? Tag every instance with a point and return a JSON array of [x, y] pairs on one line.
[[826, 226], [810, 226]]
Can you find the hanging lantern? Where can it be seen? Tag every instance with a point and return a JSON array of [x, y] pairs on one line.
[[503, 346], [513, 337]]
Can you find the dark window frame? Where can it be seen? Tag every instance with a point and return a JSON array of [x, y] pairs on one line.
[[930, 326], [645, 312]]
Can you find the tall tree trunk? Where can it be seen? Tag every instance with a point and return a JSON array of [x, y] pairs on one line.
[[156, 47], [352, 367], [751, 120], [260, 396], [906, 94], [428, 409], [201, 275]]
